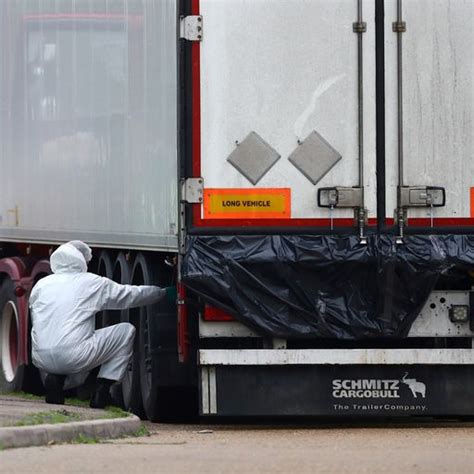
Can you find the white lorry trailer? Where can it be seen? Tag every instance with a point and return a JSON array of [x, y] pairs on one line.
[[302, 169]]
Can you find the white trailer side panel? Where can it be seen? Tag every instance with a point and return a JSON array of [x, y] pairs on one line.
[[438, 83], [88, 124], [283, 69]]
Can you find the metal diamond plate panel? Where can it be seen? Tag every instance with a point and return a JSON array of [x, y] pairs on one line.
[[314, 157], [253, 157]]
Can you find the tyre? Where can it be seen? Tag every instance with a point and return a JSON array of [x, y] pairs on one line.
[[160, 371], [123, 393], [148, 370], [105, 269], [131, 391], [11, 373], [146, 274]]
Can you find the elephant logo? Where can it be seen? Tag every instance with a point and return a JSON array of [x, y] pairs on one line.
[[415, 386]]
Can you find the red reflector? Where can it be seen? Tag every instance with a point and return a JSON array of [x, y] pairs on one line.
[[215, 314], [19, 291]]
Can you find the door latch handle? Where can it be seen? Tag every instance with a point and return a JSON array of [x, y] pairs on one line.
[[341, 197], [422, 196]]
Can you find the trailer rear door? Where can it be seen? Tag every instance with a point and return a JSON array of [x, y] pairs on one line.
[[436, 81], [279, 111]]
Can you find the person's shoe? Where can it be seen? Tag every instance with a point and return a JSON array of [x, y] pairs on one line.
[[101, 397], [53, 387]]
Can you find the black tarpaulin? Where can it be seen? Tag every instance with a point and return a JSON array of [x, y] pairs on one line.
[[322, 286]]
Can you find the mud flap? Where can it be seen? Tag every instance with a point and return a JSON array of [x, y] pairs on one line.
[[356, 390]]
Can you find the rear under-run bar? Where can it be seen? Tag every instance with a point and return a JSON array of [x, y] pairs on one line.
[[336, 356]]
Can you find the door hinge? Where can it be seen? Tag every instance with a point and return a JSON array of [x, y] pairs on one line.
[[191, 28], [192, 190]]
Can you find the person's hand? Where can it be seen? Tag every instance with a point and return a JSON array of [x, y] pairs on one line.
[[171, 294]]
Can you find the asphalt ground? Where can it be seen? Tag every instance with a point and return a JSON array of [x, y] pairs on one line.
[[291, 446]]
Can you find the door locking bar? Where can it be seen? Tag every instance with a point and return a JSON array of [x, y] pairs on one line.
[[360, 212], [409, 196], [399, 27], [352, 197]]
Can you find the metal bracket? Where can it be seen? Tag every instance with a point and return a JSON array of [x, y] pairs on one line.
[[471, 310], [422, 196], [279, 343], [191, 28], [361, 216], [16, 213], [192, 190], [400, 215], [359, 27], [399, 27], [341, 197]]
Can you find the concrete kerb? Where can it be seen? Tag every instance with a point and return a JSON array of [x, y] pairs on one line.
[[41, 435]]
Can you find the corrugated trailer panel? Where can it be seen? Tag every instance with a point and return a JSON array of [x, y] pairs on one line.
[[88, 124]]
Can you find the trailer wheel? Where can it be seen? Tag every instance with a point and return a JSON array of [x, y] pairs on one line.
[[105, 269], [32, 380], [11, 373], [167, 393], [148, 370], [152, 342], [129, 389]]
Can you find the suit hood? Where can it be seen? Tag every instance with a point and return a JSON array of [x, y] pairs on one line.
[[67, 259]]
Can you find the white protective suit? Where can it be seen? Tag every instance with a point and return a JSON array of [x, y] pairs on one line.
[[63, 308]]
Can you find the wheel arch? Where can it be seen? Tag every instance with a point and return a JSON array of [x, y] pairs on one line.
[[16, 269]]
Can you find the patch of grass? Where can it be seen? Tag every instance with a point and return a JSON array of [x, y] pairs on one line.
[[84, 439], [116, 412], [142, 431], [76, 402], [24, 395], [110, 411], [48, 417]]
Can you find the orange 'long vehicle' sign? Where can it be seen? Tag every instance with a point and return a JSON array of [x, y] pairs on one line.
[[247, 203]]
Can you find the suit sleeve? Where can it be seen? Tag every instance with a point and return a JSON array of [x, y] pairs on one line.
[[116, 296]]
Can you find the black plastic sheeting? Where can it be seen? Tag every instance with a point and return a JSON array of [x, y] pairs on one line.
[[322, 286]]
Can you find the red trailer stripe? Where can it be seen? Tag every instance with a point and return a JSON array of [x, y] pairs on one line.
[[441, 222]]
